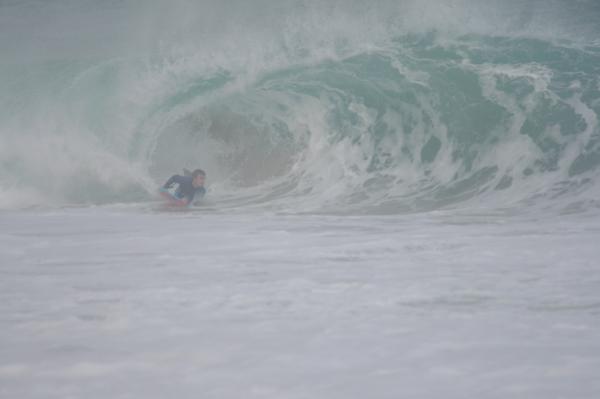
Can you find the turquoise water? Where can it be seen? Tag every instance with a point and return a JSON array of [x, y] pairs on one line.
[[387, 108], [402, 199]]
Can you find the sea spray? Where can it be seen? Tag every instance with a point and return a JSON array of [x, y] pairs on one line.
[[302, 106]]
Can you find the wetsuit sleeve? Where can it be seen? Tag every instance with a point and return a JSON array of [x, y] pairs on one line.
[[189, 198], [199, 193], [174, 179]]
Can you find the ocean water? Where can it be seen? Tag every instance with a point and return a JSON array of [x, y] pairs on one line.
[[403, 199]]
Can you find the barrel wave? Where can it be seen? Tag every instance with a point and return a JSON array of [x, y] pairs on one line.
[[304, 108]]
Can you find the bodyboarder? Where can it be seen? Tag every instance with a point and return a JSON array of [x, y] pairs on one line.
[[190, 187]]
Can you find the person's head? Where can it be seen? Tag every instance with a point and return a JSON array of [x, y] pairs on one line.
[[198, 177]]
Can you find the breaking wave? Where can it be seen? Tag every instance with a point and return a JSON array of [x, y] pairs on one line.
[[384, 108]]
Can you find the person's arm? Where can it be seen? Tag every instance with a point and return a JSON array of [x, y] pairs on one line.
[[188, 200], [174, 179], [199, 193]]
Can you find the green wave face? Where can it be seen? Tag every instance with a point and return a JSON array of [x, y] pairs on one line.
[[381, 110]]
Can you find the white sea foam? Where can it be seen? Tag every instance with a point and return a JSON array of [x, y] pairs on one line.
[[99, 302], [470, 127]]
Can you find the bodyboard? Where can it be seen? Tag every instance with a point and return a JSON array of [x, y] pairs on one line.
[[172, 200]]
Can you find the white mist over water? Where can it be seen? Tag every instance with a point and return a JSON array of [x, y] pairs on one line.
[[403, 199]]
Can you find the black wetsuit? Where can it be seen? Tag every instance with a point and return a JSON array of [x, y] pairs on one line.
[[186, 189]]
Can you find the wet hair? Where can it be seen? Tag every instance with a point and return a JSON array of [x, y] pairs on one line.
[[198, 172]]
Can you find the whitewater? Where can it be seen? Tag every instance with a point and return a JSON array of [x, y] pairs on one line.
[[402, 199]]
